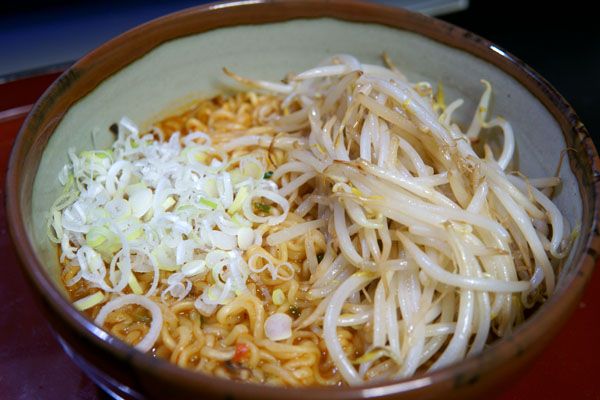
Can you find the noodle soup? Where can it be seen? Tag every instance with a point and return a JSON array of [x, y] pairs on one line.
[[333, 229]]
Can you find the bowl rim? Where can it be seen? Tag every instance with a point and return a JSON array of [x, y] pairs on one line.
[[231, 13]]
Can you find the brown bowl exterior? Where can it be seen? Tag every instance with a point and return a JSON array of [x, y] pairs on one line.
[[130, 374]]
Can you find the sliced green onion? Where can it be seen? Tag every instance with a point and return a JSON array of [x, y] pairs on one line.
[[240, 221], [103, 239], [240, 197], [211, 187], [134, 284], [253, 170], [278, 297], [169, 201], [89, 301], [245, 237], [164, 260], [103, 154], [208, 203], [140, 199], [135, 234], [236, 176]]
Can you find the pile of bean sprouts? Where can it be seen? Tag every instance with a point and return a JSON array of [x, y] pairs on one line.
[[339, 228]]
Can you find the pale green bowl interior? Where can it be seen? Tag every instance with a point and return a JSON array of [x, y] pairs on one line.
[[191, 67]]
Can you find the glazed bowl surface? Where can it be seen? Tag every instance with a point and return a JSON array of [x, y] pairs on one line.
[[157, 68]]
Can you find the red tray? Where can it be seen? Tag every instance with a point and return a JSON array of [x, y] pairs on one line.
[[34, 366]]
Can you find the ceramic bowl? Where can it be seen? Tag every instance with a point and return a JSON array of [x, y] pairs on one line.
[[167, 62]]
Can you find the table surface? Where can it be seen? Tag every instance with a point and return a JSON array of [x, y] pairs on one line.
[[33, 365]]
